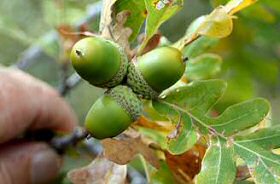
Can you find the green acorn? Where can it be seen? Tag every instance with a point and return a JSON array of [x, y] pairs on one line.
[[101, 62], [113, 113], [155, 71]]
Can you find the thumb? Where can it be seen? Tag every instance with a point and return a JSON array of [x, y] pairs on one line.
[[27, 163]]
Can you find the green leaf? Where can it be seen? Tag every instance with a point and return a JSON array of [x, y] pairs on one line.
[[197, 98], [157, 16], [264, 165], [155, 135], [186, 139], [267, 138], [162, 176], [218, 166], [185, 136], [239, 116], [255, 150], [137, 15], [204, 66]]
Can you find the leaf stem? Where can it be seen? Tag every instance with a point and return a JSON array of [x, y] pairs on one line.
[[185, 42]]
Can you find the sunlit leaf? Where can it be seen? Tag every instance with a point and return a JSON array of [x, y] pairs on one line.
[[234, 6], [218, 166], [217, 24], [200, 45], [157, 16]]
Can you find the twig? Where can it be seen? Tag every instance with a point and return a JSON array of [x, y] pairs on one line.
[[69, 83], [60, 144], [64, 70], [185, 42], [32, 54]]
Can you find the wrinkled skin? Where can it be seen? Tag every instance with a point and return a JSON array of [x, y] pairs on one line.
[[29, 104]]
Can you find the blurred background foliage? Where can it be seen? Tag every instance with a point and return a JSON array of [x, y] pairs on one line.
[[32, 35]]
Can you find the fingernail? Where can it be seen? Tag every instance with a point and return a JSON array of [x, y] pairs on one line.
[[45, 167]]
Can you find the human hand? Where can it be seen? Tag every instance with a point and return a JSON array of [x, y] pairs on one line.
[[29, 104]]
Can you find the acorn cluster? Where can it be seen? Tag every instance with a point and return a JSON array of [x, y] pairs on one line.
[[103, 63]]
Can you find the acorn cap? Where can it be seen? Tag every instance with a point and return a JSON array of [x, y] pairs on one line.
[[125, 97], [138, 84], [121, 73], [101, 62]]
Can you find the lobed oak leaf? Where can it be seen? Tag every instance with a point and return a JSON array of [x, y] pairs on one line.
[[123, 151]]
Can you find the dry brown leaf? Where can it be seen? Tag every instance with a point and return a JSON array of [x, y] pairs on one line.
[[113, 27], [188, 164], [106, 17], [69, 36], [100, 171], [123, 151], [120, 33], [152, 43]]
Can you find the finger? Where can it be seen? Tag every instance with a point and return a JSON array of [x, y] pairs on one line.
[[28, 163], [27, 103]]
